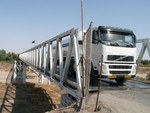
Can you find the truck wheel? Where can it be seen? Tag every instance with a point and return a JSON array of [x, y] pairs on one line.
[[92, 70], [72, 72], [91, 74], [120, 81], [93, 77]]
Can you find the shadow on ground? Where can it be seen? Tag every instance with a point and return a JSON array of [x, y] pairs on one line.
[[27, 98]]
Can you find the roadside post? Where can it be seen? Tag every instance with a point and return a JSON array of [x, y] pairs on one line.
[[99, 86]]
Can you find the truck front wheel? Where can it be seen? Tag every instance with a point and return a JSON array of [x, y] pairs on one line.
[[120, 81]]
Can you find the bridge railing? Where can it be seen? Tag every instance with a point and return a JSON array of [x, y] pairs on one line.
[[41, 59]]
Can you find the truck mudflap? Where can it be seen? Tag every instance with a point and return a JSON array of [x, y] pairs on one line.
[[118, 76]]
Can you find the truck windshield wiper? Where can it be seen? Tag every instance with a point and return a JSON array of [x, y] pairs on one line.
[[113, 43], [129, 44], [116, 43], [121, 58]]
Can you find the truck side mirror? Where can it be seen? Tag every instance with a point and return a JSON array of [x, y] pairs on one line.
[[95, 39]]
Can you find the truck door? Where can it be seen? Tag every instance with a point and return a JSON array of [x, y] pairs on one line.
[[95, 49]]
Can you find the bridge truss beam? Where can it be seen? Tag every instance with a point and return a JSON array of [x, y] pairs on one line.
[[42, 60]]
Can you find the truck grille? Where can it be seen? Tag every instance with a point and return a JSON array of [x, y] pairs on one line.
[[120, 58], [120, 72], [119, 67]]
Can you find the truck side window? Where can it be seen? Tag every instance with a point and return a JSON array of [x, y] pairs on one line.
[[95, 38]]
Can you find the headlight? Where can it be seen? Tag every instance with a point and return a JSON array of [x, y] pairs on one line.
[[134, 69], [104, 69]]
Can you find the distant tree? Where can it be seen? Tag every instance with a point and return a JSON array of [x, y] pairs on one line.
[[15, 56], [145, 62], [9, 57], [2, 55]]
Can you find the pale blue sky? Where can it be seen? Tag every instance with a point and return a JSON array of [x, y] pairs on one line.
[[22, 21]]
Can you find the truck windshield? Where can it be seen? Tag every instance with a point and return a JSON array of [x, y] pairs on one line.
[[118, 39]]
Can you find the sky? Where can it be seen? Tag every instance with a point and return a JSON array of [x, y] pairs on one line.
[[22, 21]]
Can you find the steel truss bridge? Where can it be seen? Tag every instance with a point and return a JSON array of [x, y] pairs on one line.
[[43, 59]]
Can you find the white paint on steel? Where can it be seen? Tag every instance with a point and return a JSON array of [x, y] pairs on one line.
[[24, 74], [47, 67], [19, 75], [15, 71], [145, 44]]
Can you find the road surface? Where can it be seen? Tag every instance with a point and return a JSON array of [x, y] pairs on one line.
[[132, 97]]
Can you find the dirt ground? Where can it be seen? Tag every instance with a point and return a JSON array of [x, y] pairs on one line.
[[39, 98], [30, 98], [143, 70], [5, 67]]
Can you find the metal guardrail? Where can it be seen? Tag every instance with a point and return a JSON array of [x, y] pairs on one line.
[[42, 60], [145, 44]]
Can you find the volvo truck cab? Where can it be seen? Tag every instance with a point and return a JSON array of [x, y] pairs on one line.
[[118, 47]]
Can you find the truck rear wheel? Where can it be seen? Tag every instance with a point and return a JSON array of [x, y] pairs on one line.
[[120, 81]]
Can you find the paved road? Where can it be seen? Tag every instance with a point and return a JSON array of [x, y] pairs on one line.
[[136, 84], [107, 84]]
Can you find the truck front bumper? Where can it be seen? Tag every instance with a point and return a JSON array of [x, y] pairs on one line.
[[118, 76], [113, 71]]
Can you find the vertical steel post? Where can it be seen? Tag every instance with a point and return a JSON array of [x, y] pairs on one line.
[[39, 63], [99, 86], [51, 58], [82, 19], [83, 52], [40, 57], [15, 72], [24, 74], [47, 59], [37, 57], [60, 58], [55, 60], [78, 74], [42, 79], [44, 58], [34, 57]]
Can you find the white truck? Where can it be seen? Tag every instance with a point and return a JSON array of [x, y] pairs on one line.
[[118, 47]]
